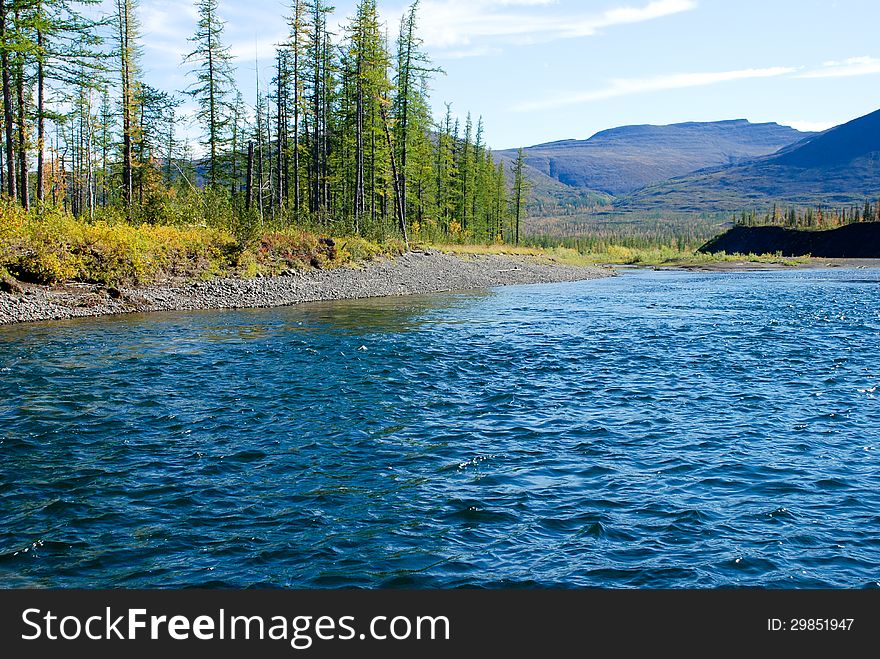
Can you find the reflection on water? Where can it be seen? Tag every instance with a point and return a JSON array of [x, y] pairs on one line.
[[654, 430]]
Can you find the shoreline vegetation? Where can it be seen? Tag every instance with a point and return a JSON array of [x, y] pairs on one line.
[[54, 266]]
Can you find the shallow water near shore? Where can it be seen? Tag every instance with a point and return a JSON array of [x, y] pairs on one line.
[[659, 429]]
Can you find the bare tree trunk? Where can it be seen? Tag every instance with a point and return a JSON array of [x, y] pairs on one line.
[[259, 156], [325, 136], [142, 147], [269, 166], [105, 174], [316, 126], [90, 172], [168, 163]]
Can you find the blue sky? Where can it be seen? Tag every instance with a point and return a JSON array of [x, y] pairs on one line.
[[544, 70]]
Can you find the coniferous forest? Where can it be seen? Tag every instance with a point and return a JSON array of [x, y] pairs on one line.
[[341, 139]]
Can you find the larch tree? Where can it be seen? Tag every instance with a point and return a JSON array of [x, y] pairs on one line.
[[466, 172], [316, 69], [22, 45], [410, 109], [297, 46], [127, 36], [520, 192], [213, 84], [365, 88], [68, 52], [6, 48]]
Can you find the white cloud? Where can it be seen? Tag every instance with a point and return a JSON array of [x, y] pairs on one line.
[[165, 26], [457, 24], [854, 66], [628, 86]]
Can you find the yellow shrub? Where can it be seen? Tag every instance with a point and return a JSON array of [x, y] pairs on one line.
[[48, 245]]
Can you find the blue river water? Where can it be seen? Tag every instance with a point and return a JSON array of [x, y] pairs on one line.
[[653, 430]]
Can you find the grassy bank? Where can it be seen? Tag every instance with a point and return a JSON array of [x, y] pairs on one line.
[[662, 255], [48, 246]]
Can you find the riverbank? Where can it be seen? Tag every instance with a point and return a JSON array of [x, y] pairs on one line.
[[410, 274]]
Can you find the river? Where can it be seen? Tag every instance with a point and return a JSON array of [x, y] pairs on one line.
[[654, 430]]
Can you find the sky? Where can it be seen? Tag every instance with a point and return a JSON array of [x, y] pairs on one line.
[[544, 70]]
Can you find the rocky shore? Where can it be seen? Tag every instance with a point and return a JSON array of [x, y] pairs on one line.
[[410, 274]]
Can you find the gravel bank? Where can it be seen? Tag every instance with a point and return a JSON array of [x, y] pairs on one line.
[[411, 274]]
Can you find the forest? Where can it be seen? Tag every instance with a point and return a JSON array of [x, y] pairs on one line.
[[819, 219], [340, 141]]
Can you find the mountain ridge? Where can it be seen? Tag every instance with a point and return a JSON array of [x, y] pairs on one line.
[[621, 160], [840, 166]]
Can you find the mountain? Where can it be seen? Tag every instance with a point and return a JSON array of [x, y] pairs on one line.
[[622, 160], [836, 168]]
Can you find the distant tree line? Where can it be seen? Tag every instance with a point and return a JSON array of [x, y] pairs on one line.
[[342, 136], [811, 218]]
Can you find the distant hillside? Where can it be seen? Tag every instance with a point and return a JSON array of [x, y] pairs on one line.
[[836, 168], [852, 241], [549, 197], [622, 160]]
